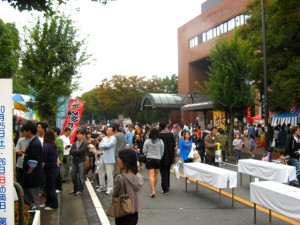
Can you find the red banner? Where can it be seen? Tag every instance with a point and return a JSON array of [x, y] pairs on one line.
[[250, 120], [73, 116]]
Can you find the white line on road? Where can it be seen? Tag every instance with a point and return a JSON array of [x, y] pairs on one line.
[[99, 209]]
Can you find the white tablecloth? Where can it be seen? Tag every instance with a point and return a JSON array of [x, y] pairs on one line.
[[278, 197], [215, 176], [267, 170]]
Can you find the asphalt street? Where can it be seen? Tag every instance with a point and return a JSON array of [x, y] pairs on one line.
[[196, 207]]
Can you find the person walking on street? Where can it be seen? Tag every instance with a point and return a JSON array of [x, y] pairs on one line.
[[154, 150], [238, 145], [78, 152], [133, 183], [168, 157], [107, 161]]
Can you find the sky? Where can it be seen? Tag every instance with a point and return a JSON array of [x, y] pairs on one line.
[[125, 37]]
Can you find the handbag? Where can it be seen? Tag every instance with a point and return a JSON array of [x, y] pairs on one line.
[[121, 205], [142, 158]]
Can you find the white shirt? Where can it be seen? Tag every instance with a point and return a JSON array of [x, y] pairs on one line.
[[66, 142]]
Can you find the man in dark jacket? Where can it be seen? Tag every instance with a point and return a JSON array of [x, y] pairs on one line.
[[292, 149], [32, 166], [168, 157], [78, 151]]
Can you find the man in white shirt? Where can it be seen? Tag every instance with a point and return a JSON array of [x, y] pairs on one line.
[[67, 159], [107, 161]]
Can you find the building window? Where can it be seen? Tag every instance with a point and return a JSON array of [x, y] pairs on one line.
[[204, 37], [231, 24], [219, 29]]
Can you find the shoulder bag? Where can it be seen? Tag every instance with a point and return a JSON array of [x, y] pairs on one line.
[[121, 205]]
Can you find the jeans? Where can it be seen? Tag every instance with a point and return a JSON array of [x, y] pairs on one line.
[[295, 163], [238, 153], [65, 167], [78, 176], [51, 196]]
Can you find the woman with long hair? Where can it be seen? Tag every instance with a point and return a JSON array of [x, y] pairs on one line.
[[133, 183], [185, 147], [154, 150], [50, 167]]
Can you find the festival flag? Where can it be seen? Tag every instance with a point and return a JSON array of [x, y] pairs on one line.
[[73, 116]]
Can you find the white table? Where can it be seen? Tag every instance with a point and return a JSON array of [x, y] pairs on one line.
[[267, 170], [214, 176], [281, 198]]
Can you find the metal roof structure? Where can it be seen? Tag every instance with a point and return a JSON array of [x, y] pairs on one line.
[[198, 106], [169, 101]]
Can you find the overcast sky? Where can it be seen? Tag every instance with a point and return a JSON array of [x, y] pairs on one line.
[[125, 37]]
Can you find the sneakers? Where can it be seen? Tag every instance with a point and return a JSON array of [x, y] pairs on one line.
[[43, 205], [57, 191], [109, 191], [72, 193], [49, 209], [253, 156], [165, 193], [78, 193], [101, 190]]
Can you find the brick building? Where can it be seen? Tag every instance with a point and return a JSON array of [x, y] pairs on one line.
[[195, 39]]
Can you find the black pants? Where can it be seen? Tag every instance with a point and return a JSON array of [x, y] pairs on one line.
[[131, 219], [165, 177], [58, 181], [210, 160]]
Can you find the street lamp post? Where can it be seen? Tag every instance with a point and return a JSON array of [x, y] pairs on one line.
[[266, 108]]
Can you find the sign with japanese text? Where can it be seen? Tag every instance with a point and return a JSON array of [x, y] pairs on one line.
[[6, 154], [219, 119], [73, 116]]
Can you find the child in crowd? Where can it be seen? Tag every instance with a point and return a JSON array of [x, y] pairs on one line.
[[97, 171], [252, 146], [238, 145]]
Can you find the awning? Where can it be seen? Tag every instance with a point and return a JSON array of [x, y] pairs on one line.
[[286, 118], [161, 101], [198, 106]]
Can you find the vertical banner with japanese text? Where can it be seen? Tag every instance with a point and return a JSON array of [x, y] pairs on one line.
[[73, 116], [6, 154]]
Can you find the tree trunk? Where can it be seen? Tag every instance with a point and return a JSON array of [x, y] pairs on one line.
[[230, 138]]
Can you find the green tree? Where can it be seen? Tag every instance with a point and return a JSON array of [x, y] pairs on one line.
[[50, 63], [228, 84], [9, 49], [283, 50], [123, 95], [47, 6]]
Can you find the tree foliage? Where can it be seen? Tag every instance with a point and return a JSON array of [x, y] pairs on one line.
[[51, 61], [9, 49], [228, 84], [283, 50], [46, 6], [123, 95]]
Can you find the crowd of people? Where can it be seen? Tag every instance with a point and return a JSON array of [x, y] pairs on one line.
[[108, 155]]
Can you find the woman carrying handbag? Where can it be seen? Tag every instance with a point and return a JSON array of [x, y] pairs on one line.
[[132, 181]]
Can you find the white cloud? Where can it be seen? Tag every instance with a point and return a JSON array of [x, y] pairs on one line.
[[126, 37]]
